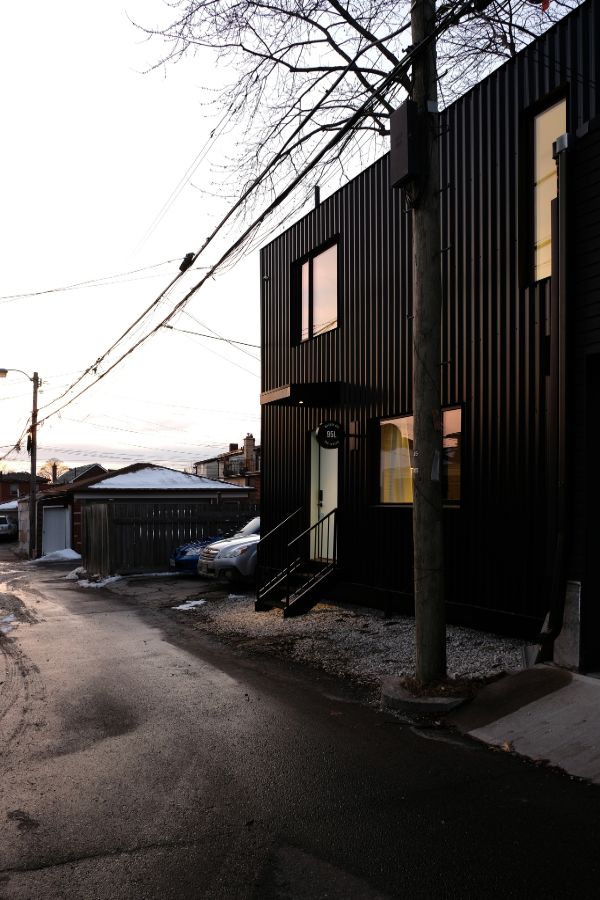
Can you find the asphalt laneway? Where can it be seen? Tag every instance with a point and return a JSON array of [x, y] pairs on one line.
[[143, 760]]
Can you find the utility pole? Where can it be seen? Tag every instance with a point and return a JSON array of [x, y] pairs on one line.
[[430, 615], [33, 476]]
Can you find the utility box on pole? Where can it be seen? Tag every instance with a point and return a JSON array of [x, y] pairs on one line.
[[404, 144]]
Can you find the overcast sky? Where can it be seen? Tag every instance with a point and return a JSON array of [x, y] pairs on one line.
[[92, 149]]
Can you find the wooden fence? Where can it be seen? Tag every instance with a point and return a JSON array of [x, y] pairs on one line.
[[121, 538]]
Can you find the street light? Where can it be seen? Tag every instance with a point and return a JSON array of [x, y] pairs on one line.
[[32, 447]]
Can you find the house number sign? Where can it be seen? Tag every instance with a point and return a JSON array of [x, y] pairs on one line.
[[330, 435]]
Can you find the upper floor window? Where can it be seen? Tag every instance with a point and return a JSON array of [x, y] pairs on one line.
[[318, 293], [548, 126], [396, 458]]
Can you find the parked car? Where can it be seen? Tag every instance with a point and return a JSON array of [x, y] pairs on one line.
[[234, 557], [185, 558], [8, 528]]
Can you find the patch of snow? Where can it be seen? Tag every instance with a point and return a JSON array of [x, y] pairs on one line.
[[56, 556], [5, 623], [74, 575], [189, 604], [157, 477], [84, 583]]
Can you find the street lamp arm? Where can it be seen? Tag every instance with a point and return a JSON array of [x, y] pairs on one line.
[[4, 373]]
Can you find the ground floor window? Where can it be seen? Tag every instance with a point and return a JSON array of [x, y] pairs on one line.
[[396, 458]]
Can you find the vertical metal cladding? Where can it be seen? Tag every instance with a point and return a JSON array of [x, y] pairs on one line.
[[494, 339]]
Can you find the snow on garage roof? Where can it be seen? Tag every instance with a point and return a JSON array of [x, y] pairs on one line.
[[152, 477]]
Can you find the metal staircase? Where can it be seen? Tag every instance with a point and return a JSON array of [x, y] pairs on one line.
[[291, 569]]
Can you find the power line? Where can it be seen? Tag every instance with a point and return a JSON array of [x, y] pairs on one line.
[[385, 83], [187, 313], [139, 433], [220, 355], [214, 337], [93, 282], [184, 179], [233, 249]]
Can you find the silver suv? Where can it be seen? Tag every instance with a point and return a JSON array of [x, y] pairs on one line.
[[234, 557], [8, 527]]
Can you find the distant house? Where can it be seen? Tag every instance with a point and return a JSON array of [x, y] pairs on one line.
[[10, 509], [16, 484], [238, 465], [79, 473]]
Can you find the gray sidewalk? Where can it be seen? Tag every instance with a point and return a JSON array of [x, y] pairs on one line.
[[544, 713]]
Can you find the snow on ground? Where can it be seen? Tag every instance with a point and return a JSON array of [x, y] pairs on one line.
[[74, 575], [103, 582], [6, 625], [56, 556], [350, 641], [190, 604]]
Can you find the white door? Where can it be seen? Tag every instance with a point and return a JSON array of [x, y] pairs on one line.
[[55, 530], [323, 498]]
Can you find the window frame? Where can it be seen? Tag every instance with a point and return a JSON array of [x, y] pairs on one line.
[[526, 181], [447, 503], [297, 293]]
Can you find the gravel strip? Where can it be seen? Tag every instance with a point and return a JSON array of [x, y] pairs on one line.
[[353, 642]]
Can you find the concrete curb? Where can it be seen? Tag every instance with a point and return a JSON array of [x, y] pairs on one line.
[[394, 695]]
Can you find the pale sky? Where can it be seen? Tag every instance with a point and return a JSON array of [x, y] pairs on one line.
[[92, 149]]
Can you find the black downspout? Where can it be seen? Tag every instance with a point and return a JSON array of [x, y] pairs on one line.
[[557, 474]]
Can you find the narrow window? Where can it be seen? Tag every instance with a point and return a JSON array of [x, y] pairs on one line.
[[318, 294], [305, 301], [451, 447], [548, 126], [396, 458]]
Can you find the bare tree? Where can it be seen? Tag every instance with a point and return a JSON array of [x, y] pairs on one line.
[[47, 470], [297, 70]]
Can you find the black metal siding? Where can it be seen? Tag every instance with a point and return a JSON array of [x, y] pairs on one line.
[[585, 326], [494, 343]]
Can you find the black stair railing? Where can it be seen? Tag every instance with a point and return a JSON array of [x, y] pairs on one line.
[[289, 568], [272, 553], [311, 556]]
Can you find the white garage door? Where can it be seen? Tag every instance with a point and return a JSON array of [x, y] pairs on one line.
[[55, 532]]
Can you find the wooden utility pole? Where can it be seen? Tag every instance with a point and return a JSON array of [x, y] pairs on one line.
[[33, 474], [427, 313]]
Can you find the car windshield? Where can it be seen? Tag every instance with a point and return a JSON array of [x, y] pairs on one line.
[[252, 527], [3, 520]]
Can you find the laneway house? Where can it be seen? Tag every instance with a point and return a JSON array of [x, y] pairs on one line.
[[520, 228]]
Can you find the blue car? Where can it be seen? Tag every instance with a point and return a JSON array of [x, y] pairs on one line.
[[186, 557]]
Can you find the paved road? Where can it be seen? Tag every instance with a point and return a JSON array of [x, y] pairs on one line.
[[141, 760]]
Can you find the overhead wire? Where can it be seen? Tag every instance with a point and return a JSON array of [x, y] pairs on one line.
[[220, 355], [214, 337], [105, 281], [256, 182], [216, 334], [386, 81], [133, 431], [185, 178]]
